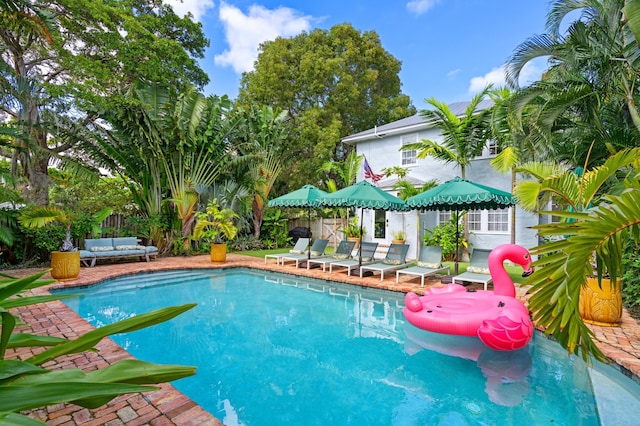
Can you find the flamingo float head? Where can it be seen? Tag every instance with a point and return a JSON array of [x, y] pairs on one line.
[[516, 254]]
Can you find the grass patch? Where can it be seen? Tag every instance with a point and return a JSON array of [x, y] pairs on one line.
[[515, 272], [262, 253]]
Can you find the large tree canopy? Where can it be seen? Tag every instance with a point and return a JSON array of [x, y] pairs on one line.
[[80, 54], [334, 83]]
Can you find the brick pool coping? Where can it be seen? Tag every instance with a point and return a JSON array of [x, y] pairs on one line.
[[167, 406]]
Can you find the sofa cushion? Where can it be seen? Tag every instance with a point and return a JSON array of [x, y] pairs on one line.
[[129, 247], [125, 241], [97, 242], [101, 248]]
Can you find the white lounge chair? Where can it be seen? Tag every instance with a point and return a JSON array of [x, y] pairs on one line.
[[300, 247], [343, 252], [317, 250], [368, 251], [396, 258], [478, 270], [429, 263]]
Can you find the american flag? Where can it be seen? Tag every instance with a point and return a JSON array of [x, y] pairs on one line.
[[368, 173]]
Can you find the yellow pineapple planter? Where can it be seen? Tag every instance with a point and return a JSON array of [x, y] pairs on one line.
[[601, 306], [65, 265]]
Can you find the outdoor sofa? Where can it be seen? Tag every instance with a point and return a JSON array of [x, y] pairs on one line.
[[111, 248]]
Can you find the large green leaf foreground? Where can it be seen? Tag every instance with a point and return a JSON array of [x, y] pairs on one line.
[[25, 385], [565, 264]]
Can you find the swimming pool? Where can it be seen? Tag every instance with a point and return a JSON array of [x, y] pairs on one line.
[[276, 349]]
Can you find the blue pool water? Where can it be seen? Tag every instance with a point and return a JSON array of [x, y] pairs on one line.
[[273, 349]]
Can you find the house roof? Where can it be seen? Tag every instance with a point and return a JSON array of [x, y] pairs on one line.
[[409, 124], [387, 183]]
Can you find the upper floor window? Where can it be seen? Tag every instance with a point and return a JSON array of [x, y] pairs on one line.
[[494, 148], [409, 156]]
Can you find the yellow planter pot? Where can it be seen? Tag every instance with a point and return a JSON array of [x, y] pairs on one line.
[[398, 241], [65, 265], [601, 306], [356, 239], [218, 253]]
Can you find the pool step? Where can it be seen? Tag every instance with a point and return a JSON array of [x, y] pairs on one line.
[[133, 282]]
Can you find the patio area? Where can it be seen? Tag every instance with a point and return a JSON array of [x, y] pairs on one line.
[[167, 406]]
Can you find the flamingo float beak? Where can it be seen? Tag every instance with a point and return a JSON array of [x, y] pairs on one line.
[[528, 272]]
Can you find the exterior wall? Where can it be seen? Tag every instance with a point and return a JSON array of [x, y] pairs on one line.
[[385, 152]]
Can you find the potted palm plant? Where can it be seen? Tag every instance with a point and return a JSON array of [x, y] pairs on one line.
[[592, 232], [212, 225], [65, 263], [398, 237], [353, 232]]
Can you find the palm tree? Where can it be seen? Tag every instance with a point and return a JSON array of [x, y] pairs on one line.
[[588, 93], [260, 147], [511, 133], [463, 137], [342, 174]]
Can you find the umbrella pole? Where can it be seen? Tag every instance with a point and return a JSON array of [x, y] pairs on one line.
[[309, 219], [361, 239], [457, 236]]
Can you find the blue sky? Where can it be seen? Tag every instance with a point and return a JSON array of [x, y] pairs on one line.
[[449, 49]]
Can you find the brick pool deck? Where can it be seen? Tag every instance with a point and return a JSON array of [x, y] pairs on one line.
[[167, 406]]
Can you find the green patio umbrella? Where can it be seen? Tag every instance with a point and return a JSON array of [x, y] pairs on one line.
[[460, 194], [365, 196], [307, 196]]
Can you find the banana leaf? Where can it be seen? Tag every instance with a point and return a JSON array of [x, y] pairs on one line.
[[13, 419], [19, 398]]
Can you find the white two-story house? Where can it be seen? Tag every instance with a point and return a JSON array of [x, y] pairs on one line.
[[381, 147]]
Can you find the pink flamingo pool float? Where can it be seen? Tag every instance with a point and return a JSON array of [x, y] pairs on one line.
[[500, 320]]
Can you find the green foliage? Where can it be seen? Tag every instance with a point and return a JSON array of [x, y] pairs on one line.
[[75, 62], [247, 243], [274, 229], [334, 83], [631, 277], [444, 235], [26, 385], [352, 229], [214, 224], [92, 194], [39, 217]]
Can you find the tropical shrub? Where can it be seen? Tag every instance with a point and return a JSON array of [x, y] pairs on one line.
[[26, 385], [444, 235], [274, 229], [631, 277]]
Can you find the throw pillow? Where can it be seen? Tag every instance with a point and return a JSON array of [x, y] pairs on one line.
[[340, 256], [429, 265], [101, 248], [141, 247], [392, 261], [478, 270], [126, 247], [315, 253], [295, 251]]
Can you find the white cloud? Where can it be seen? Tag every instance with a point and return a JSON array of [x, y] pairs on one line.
[[532, 71], [495, 77], [196, 7], [244, 33], [421, 6], [453, 73]]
